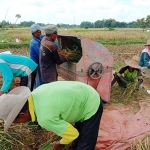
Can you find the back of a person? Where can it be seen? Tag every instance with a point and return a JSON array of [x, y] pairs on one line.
[[47, 64], [144, 56], [72, 101], [20, 65]]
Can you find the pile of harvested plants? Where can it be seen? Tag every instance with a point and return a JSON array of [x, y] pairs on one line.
[[73, 55]]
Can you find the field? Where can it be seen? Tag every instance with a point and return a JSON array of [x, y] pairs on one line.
[[122, 43]]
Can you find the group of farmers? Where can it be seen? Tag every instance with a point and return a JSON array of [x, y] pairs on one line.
[[70, 109]]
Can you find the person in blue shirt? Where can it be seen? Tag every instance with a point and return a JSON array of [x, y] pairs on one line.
[[35, 50], [12, 66], [145, 56]]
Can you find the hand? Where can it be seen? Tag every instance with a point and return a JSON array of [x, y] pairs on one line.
[[57, 146], [1, 93], [66, 58]]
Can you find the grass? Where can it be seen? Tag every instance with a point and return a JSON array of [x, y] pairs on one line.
[[128, 95], [116, 37], [122, 43], [27, 137]]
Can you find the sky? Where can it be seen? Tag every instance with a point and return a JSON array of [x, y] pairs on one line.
[[73, 11]]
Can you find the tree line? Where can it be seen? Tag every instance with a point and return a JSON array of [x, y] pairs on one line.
[[105, 23]]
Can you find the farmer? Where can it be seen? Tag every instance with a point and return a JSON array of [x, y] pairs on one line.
[[35, 50], [49, 56], [16, 66], [129, 74], [56, 106], [145, 56]]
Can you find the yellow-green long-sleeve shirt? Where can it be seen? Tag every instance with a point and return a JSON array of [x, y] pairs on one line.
[[60, 103]]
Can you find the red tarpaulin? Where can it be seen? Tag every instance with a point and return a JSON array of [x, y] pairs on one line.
[[120, 126]]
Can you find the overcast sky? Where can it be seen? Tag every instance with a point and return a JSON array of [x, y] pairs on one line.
[[73, 11]]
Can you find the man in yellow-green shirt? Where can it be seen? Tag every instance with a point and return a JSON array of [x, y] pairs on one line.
[[58, 105]]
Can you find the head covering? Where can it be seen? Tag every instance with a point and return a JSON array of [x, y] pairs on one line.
[[49, 29], [133, 62], [34, 28], [12, 103], [148, 43]]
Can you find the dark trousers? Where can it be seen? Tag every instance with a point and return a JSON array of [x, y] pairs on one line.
[[24, 80], [88, 131]]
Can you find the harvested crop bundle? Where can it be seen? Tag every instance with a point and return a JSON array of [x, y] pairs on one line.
[[73, 55]]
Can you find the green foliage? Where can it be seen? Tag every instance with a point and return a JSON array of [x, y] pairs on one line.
[[58, 25], [85, 24], [17, 16], [26, 23], [46, 146], [9, 42], [86, 27], [144, 22], [13, 45], [1, 25], [121, 42], [111, 29]]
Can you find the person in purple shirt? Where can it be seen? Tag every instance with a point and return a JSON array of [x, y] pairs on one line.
[[49, 56]]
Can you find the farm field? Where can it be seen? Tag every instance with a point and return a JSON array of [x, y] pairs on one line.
[[122, 43]]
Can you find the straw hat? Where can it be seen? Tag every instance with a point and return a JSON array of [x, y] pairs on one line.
[[133, 62], [12, 103], [148, 43]]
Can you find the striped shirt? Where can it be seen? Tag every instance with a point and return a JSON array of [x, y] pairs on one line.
[[14, 66]]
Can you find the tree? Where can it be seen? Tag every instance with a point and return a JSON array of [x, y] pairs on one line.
[[17, 16], [144, 23], [113, 23], [86, 24], [99, 24], [58, 25]]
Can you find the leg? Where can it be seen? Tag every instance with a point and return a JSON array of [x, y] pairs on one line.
[[88, 131], [24, 81], [33, 75]]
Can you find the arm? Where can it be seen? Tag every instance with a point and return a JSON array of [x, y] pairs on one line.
[[34, 52], [117, 76], [7, 77], [139, 76], [67, 137], [57, 59], [57, 126]]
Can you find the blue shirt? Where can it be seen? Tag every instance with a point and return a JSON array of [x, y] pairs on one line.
[[35, 48], [34, 55]]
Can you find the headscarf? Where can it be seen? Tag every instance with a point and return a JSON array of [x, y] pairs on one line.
[[146, 50]]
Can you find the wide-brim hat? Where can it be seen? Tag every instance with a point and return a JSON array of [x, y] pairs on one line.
[[133, 62], [11, 104], [148, 43]]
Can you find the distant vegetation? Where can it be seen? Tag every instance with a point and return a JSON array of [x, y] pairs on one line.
[[105, 36], [105, 23]]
